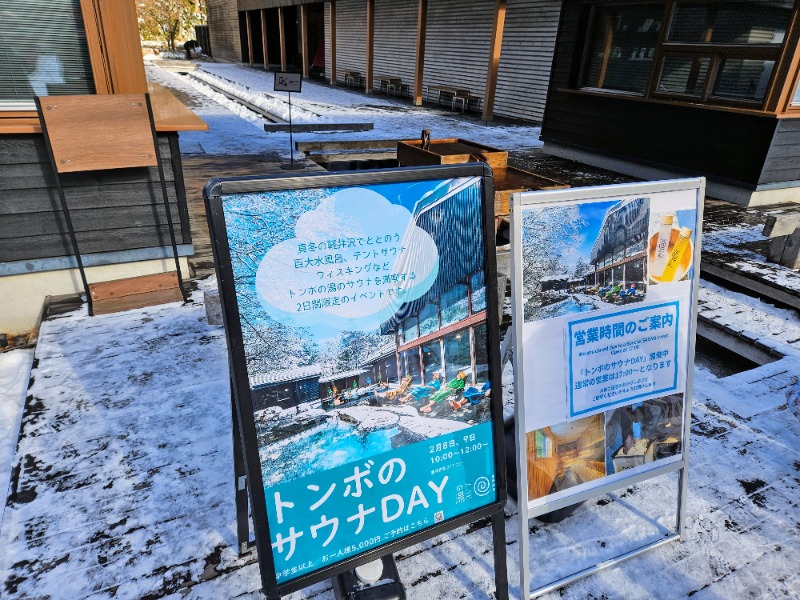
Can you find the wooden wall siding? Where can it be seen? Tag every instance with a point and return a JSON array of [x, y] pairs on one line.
[[662, 135], [351, 37], [527, 54], [223, 28], [327, 40], [783, 160], [256, 4], [395, 39], [457, 44], [111, 210]]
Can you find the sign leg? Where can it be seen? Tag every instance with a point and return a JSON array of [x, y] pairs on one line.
[[240, 483], [500, 555]]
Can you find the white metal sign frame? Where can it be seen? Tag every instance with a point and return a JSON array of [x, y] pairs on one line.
[[664, 466]]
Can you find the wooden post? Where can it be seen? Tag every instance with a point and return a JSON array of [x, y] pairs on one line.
[[282, 37], [494, 58], [332, 74], [370, 43], [304, 38], [249, 37], [422, 23], [264, 38]]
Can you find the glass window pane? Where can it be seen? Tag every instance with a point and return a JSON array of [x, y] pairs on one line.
[[634, 273], [432, 359], [410, 330], [743, 79], [796, 99], [428, 319], [684, 75], [743, 22], [400, 336], [481, 354], [623, 41], [456, 355], [454, 305], [477, 284], [413, 366], [43, 51]]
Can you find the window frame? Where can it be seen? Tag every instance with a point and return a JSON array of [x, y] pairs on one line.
[[715, 51]]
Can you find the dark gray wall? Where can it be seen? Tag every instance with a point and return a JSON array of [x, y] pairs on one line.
[[113, 210]]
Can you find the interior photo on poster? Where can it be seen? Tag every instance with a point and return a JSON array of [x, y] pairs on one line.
[[584, 257], [573, 453], [363, 314]]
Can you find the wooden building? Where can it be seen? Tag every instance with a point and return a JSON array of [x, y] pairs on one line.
[[664, 88], [78, 47], [498, 50]]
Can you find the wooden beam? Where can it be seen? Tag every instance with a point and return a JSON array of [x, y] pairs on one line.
[[249, 36], [264, 38], [304, 38], [281, 18], [422, 24], [494, 58], [370, 44], [332, 44], [787, 69]]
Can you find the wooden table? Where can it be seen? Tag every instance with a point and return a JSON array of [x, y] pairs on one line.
[[447, 90]]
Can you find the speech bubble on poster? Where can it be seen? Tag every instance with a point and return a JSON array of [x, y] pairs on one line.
[[354, 260]]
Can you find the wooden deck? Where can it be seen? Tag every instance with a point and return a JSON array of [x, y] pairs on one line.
[[197, 171]]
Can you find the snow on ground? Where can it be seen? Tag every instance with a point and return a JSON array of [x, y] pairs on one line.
[[15, 368], [126, 487], [393, 118]]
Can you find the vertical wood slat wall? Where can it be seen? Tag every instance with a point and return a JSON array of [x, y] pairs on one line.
[[395, 39], [527, 55], [351, 37], [457, 48], [457, 44]]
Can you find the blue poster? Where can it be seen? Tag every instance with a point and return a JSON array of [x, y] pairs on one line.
[[364, 323]]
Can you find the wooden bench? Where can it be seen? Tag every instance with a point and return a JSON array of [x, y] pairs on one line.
[[464, 100]]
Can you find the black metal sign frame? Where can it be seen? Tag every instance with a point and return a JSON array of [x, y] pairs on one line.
[[214, 193]]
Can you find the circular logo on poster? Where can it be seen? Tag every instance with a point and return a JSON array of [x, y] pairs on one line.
[[482, 486]]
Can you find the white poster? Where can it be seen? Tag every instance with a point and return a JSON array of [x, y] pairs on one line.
[[605, 299]]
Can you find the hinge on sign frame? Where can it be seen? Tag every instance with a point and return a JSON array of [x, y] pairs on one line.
[[241, 483]]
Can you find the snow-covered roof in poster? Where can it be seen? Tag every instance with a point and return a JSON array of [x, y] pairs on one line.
[[284, 375], [562, 277], [382, 352], [344, 375]]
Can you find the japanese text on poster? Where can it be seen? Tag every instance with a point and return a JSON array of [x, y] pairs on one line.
[[619, 358]]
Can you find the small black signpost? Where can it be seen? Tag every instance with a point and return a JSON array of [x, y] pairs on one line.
[[365, 372], [289, 82]]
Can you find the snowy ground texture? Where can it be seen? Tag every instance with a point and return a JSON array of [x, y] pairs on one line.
[[125, 485], [234, 130]]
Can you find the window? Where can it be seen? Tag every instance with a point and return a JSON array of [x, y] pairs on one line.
[[432, 359], [621, 47], [410, 329], [544, 447], [481, 344], [454, 305], [43, 51], [308, 390], [428, 319], [413, 366], [457, 354], [477, 284], [723, 51], [712, 52]]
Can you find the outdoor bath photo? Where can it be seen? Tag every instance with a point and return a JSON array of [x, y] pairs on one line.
[[580, 258]]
